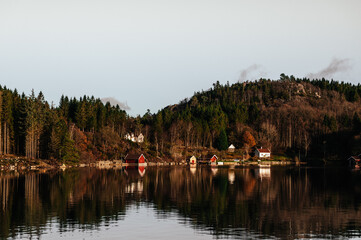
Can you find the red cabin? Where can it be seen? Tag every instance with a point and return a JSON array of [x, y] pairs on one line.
[[213, 159], [208, 159], [135, 158]]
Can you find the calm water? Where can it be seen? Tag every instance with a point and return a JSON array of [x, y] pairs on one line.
[[181, 203]]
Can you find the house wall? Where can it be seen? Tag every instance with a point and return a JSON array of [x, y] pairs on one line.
[[262, 155], [141, 159], [140, 138], [193, 160], [131, 161]]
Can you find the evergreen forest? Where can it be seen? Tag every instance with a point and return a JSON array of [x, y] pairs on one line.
[[293, 117]]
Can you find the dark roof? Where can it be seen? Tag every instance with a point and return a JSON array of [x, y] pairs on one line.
[[357, 158], [263, 150], [133, 156], [208, 157]]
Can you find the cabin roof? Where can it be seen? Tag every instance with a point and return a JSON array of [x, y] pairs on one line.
[[263, 150], [357, 158], [208, 157], [133, 156]]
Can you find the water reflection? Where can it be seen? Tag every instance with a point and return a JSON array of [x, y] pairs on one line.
[[231, 176], [263, 173], [279, 202], [214, 170]]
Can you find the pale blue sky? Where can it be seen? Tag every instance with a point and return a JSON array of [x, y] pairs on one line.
[[154, 53]]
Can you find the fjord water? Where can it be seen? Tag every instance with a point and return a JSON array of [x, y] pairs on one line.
[[180, 203]]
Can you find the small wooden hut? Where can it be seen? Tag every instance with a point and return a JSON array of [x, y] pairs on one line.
[[262, 153], [193, 160], [208, 159], [354, 161], [135, 159], [231, 148]]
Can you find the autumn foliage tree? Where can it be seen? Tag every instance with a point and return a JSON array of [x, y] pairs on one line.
[[248, 141]]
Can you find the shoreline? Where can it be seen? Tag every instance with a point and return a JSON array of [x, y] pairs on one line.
[[22, 164]]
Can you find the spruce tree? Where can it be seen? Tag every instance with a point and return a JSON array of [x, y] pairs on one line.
[[222, 140]]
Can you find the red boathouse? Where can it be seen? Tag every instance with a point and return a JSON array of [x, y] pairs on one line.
[[213, 159], [135, 158], [208, 159]]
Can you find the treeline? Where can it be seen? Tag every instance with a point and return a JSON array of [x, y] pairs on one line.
[[289, 115], [76, 129]]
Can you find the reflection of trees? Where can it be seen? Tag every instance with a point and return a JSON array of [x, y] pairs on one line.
[[291, 202], [86, 196], [285, 204]]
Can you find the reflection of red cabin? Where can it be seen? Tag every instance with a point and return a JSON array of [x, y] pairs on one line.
[[135, 158], [141, 171]]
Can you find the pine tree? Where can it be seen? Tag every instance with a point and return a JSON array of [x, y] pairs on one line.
[[81, 115], [19, 123], [222, 140], [64, 106], [356, 123], [68, 152], [8, 122], [35, 120]]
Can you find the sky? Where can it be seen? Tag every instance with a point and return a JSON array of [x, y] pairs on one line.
[[150, 54]]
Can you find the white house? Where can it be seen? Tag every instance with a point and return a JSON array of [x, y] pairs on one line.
[[231, 148], [193, 160], [262, 153], [134, 138], [140, 138]]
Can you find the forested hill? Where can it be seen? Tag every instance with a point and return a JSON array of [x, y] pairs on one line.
[[293, 116], [296, 117], [78, 129]]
